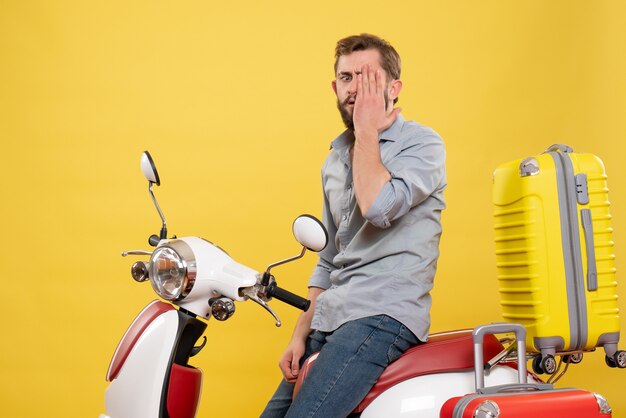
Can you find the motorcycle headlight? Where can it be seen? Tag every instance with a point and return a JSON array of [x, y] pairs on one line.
[[173, 270]]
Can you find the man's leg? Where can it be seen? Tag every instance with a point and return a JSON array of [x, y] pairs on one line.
[[278, 406], [349, 364]]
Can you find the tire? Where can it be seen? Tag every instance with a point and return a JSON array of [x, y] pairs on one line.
[[620, 359], [610, 361], [548, 364], [573, 358], [537, 366]]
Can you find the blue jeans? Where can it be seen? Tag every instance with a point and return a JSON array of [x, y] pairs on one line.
[[351, 359]]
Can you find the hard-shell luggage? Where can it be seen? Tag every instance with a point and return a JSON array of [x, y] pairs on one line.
[[554, 254], [554, 403], [524, 399]]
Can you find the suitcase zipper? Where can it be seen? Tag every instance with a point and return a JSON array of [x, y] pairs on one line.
[[574, 279]]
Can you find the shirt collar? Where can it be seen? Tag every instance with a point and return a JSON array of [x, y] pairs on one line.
[[346, 138], [392, 133]]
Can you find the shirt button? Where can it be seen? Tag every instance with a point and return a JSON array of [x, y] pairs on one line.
[[345, 217]]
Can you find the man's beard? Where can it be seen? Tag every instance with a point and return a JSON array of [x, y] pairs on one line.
[[346, 115]]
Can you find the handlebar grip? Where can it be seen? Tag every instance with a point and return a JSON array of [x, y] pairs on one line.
[[289, 298]]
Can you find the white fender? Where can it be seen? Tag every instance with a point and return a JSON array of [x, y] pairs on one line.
[[136, 391]]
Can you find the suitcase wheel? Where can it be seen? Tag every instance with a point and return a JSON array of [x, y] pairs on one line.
[[573, 358], [617, 360], [545, 364]]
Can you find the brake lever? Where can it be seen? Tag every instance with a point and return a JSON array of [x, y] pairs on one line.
[[251, 294], [136, 252]]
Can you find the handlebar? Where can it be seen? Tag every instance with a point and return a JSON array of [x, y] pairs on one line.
[[286, 296]]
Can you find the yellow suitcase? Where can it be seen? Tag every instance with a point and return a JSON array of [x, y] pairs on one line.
[[555, 257]]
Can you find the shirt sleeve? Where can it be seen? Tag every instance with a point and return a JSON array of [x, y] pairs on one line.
[[321, 273], [416, 172]]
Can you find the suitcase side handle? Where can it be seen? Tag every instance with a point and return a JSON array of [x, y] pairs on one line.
[[592, 270], [559, 147], [478, 336]]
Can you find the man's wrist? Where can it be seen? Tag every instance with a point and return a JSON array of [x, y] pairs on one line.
[[366, 135]]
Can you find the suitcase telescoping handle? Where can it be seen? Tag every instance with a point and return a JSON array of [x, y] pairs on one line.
[[478, 336], [559, 147]]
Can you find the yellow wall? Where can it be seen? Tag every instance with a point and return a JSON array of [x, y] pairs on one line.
[[234, 101]]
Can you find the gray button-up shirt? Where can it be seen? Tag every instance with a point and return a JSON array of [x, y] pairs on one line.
[[385, 262]]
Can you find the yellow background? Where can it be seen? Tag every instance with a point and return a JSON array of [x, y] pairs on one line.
[[233, 99]]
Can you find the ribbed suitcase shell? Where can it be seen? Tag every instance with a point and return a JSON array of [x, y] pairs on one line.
[[546, 257]]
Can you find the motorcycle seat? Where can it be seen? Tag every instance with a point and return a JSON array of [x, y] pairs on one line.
[[444, 352]]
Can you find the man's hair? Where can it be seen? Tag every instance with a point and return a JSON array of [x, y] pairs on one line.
[[390, 60]]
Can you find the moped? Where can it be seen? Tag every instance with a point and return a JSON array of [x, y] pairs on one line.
[[150, 375]]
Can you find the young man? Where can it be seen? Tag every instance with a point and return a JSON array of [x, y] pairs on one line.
[[383, 195]]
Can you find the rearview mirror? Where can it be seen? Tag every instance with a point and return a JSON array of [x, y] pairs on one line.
[[310, 232], [150, 173], [149, 169]]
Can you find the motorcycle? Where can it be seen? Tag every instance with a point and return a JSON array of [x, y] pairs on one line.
[[150, 375]]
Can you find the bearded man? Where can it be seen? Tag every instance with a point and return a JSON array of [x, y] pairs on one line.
[[383, 187]]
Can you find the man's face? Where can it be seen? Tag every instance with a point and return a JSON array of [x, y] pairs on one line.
[[348, 66]]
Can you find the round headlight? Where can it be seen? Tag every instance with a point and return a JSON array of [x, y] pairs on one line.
[[172, 270]]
